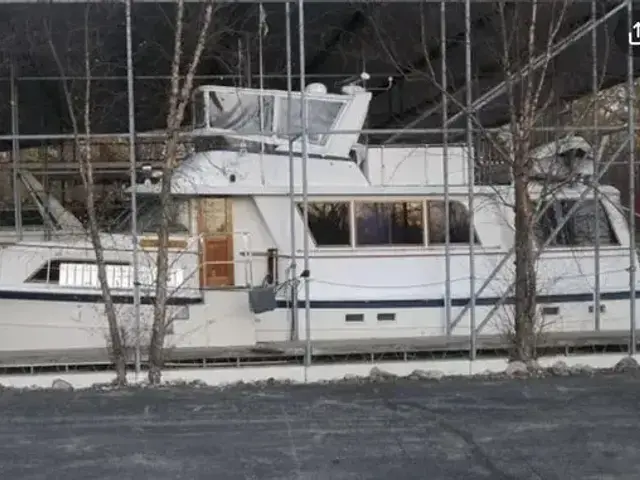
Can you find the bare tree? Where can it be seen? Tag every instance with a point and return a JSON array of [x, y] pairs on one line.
[[530, 102], [521, 39], [179, 98], [84, 154], [610, 108]]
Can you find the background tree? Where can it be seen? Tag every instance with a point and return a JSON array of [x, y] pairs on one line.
[[179, 98], [80, 118], [522, 38], [612, 117]]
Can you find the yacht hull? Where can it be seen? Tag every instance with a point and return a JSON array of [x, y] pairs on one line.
[[36, 329]]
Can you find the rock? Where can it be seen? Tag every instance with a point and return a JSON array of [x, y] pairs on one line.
[[581, 369], [534, 366], [103, 387], [198, 384], [515, 369], [352, 378], [560, 369], [377, 374], [59, 384], [426, 375], [270, 382], [186, 383], [627, 364]]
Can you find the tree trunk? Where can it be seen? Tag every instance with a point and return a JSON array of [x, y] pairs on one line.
[[118, 354], [158, 331], [85, 158], [525, 281]]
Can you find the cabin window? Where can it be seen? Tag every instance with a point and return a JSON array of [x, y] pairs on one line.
[[150, 214], [389, 223], [579, 230], [34, 210], [48, 272], [458, 223], [240, 112], [30, 218], [322, 115], [329, 223]]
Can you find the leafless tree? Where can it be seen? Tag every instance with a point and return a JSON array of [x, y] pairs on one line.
[[610, 108], [179, 98], [84, 154], [529, 104], [523, 36]]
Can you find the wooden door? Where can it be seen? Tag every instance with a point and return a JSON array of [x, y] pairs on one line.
[[216, 227]]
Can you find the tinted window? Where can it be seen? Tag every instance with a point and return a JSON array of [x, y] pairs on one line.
[[150, 216], [329, 223], [30, 218], [458, 223], [579, 228], [389, 223]]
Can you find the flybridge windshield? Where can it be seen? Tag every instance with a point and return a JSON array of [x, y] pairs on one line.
[[239, 112], [321, 114]]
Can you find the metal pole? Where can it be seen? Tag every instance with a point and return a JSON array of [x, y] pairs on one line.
[[541, 60], [247, 42], [547, 242], [534, 64], [149, 136], [239, 76], [445, 166], [134, 202], [261, 26], [295, 330], [15, 154], [596, 184], [470, 180], [631, 97], [538, 215], [240, 54], [305, 186]]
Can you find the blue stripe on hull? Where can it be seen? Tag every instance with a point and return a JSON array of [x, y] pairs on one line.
[[455, 302], [316, 304], [88, 298]]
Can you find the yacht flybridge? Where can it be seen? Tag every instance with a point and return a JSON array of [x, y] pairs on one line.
[[384, 262]]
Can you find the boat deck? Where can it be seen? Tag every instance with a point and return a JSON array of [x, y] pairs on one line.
[[323, 351]]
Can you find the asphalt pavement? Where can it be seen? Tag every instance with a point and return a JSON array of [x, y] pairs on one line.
[[546, 428]]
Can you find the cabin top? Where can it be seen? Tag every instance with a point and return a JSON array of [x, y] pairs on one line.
[[269, 117], [385, 168], [567, 158]]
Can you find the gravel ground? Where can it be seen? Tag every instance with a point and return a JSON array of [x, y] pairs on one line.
[[580, 427]]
